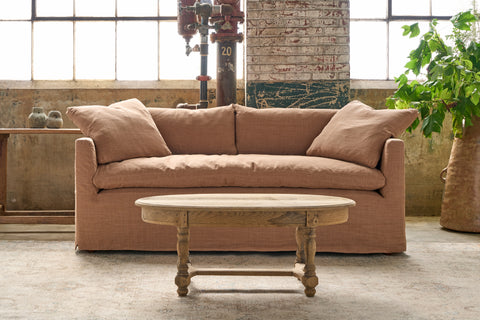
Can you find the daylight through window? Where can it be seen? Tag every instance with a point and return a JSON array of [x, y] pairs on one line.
[[378, 50], [96, 40]]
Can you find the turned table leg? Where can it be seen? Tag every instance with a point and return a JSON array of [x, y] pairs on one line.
[[309, 278], [300, 236], [182, 280]]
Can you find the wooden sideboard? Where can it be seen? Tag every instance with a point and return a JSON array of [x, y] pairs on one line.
[[29, 216]]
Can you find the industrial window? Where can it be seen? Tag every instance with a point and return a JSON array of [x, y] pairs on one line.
[[95, 40], [378, 51]]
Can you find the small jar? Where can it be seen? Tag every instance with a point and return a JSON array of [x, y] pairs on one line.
[[38, 118], [54, 120]]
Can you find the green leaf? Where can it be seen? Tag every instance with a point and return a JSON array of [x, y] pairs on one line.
[[414, 30], [433, 123], [457, 126], [402, 80], [390, 103], [469, 90], [404, 92], [475, 99], [427, 127], [449, 70], [434, 45], [476, 110], [445, 94], [463, 20], [453, 76]]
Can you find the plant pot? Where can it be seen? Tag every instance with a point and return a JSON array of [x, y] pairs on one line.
[[461, 200]]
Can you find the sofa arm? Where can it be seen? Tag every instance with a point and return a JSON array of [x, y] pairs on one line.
[[392, 165], [85, 166]]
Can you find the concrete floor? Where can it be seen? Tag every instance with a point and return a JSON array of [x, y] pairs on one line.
[[419, 229], [436, 278]]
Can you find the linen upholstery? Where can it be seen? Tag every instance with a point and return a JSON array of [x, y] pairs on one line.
[[107, 219], [203, 131], [123, 130], [358, 132], [278, 130], [183, 171]]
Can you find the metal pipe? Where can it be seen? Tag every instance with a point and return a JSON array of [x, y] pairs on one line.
[[226, 73]]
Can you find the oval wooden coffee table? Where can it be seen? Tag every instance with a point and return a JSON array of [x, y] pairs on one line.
[[305, 212]]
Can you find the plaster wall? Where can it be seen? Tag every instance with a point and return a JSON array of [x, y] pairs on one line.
[[296, 55], [40, 167]]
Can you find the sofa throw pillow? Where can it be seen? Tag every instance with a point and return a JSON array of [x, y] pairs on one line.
[[121, 131], [358, 132], [202, 131]]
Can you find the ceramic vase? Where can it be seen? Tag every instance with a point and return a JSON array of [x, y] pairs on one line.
[[54, 120], [38, 118]]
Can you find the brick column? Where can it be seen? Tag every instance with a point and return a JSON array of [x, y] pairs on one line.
[[297, 53]]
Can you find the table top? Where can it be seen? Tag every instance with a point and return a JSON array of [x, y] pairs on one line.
[[39, 131], [247, 201]]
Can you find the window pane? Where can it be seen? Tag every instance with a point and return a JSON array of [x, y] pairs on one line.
[[371, 9], [18, 9], [15, 55], [368, 50], [174, 63], [450, 8], [54, 8], [240, 60], [401, 46], [137, 50], [95, 50], [411, 7], [138, 8], [446, 28], [95, 8], [168, 8], [53, 51]]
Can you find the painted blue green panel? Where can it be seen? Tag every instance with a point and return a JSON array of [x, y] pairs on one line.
[[308, 94]]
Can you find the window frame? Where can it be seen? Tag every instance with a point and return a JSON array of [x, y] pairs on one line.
[[388, 83], [99, 83]]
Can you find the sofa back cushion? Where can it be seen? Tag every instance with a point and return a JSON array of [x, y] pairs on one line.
[[123, 130], [277, 130], [203, 131]]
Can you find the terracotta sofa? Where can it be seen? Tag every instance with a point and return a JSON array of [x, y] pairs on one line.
[[238, 149]]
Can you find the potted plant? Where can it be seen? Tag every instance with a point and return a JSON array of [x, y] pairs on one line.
[[451, 67]]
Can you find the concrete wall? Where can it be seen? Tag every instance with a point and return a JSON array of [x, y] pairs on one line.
[[297, 56], [40, 167]]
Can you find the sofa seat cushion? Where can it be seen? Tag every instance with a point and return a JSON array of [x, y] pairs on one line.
[[243, 170]]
